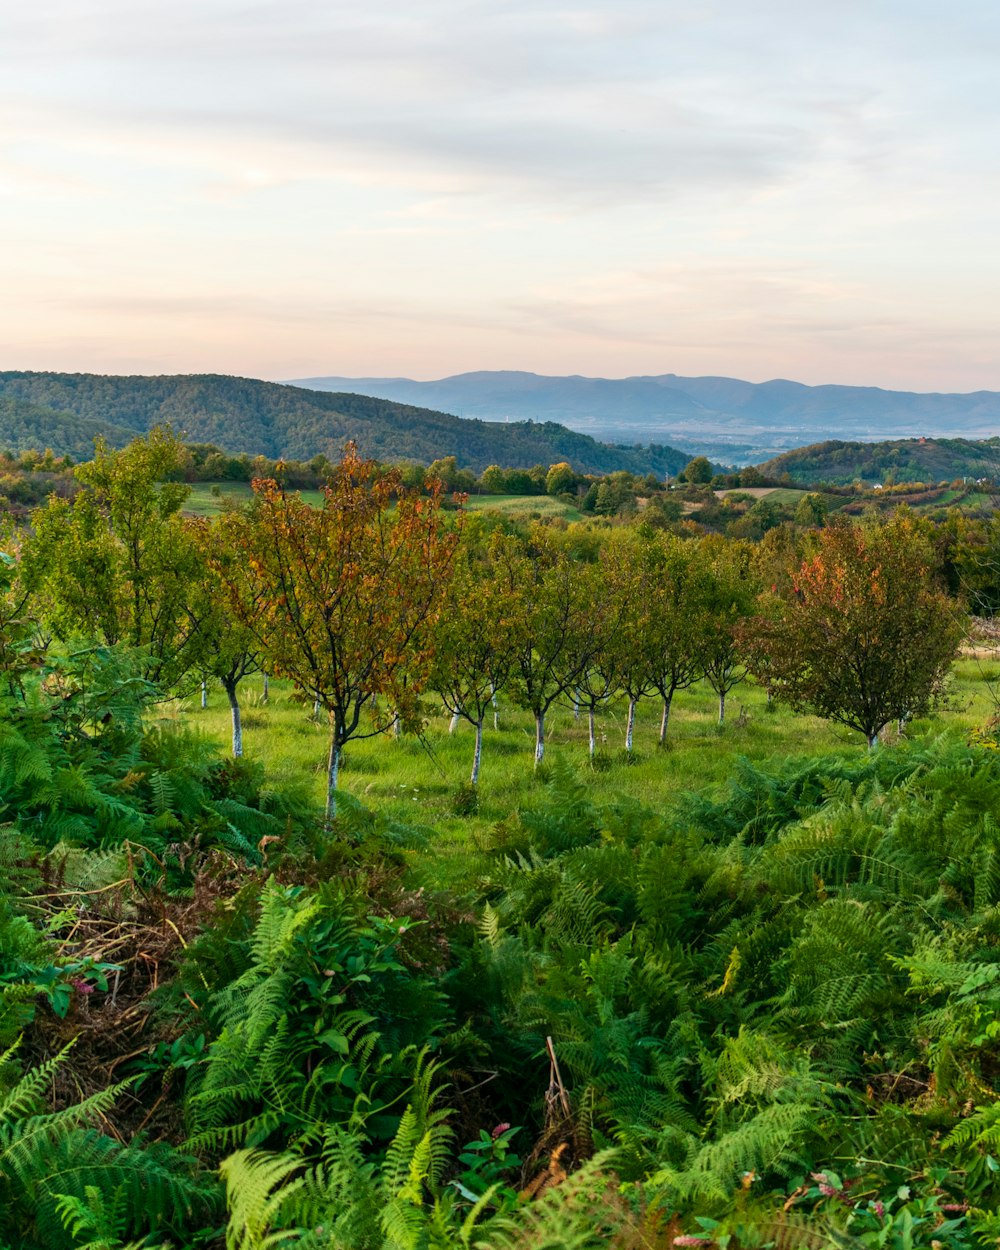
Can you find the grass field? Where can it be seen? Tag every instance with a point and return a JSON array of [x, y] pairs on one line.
[[416, 780], [207, 498], [521, 506]]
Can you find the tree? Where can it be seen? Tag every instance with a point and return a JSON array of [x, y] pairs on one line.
[[552, 622], [19, 647], [862, 636], [629, 657], [698, 470], [728, 600], [679, 592], [560, 479], [230, 650], [348, 592], [594, 650], [811, 511], [117, 563], [474, 644]]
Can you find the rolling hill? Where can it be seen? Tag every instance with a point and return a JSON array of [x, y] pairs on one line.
[[901, 460], [65, 411]]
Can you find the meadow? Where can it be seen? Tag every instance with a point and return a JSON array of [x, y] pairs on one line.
[[419, 778]]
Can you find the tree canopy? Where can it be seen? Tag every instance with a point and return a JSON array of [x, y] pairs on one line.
[[861, 636]]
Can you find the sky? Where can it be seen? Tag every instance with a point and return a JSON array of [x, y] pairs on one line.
[[290, 188]]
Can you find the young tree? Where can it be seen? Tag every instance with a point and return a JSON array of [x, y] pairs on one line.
[[474, 645], [598, 681], [729, 594], [229, 649], [348, 592], [679, 589], [552, 625], [116, 563], [863, 636], [629, 656]]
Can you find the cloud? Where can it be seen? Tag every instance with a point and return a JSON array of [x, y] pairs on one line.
[[571, 103], [542, 183]]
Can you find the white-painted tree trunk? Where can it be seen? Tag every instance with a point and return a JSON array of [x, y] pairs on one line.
[[237, 719], [315, 707], [593, 735], [453, 725], [266, 695], [496, 707], [539, 737], [478, 756], [576, 705], [664, 722], [397, 728], [204, 695], [722, 707], [629, 725], [332, 771]]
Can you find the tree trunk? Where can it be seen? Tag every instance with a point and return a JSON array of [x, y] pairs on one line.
[[872, 740], [204, 695], [593, 735], [576, 705], [332, 769], [496, 709], [477, 757], [397, 727], [722, 707], [455, 718], [629, 725], [539, 737], [234, 709], [665, 721]]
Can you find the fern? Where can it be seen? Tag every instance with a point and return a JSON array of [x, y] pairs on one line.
[[53, 1164]]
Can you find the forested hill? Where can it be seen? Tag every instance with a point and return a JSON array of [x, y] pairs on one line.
[[901, 460], [25, 426], [65, 410]]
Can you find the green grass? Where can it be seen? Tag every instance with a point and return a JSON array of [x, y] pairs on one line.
[[786, 496], [524, 506], [207, 498], [416, 779]]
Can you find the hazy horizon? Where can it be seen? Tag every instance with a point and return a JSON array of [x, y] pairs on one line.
[[305, 189]]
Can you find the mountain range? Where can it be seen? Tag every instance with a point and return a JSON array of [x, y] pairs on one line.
[[65, 411], [726, 418]]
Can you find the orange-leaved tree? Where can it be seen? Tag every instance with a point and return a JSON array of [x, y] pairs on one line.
[[343, 596], [862, 635]]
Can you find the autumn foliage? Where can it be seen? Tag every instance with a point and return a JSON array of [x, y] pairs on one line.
[[861, 635], [342, 597]]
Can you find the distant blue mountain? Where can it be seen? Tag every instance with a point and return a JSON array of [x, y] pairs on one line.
[[730, 418]]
